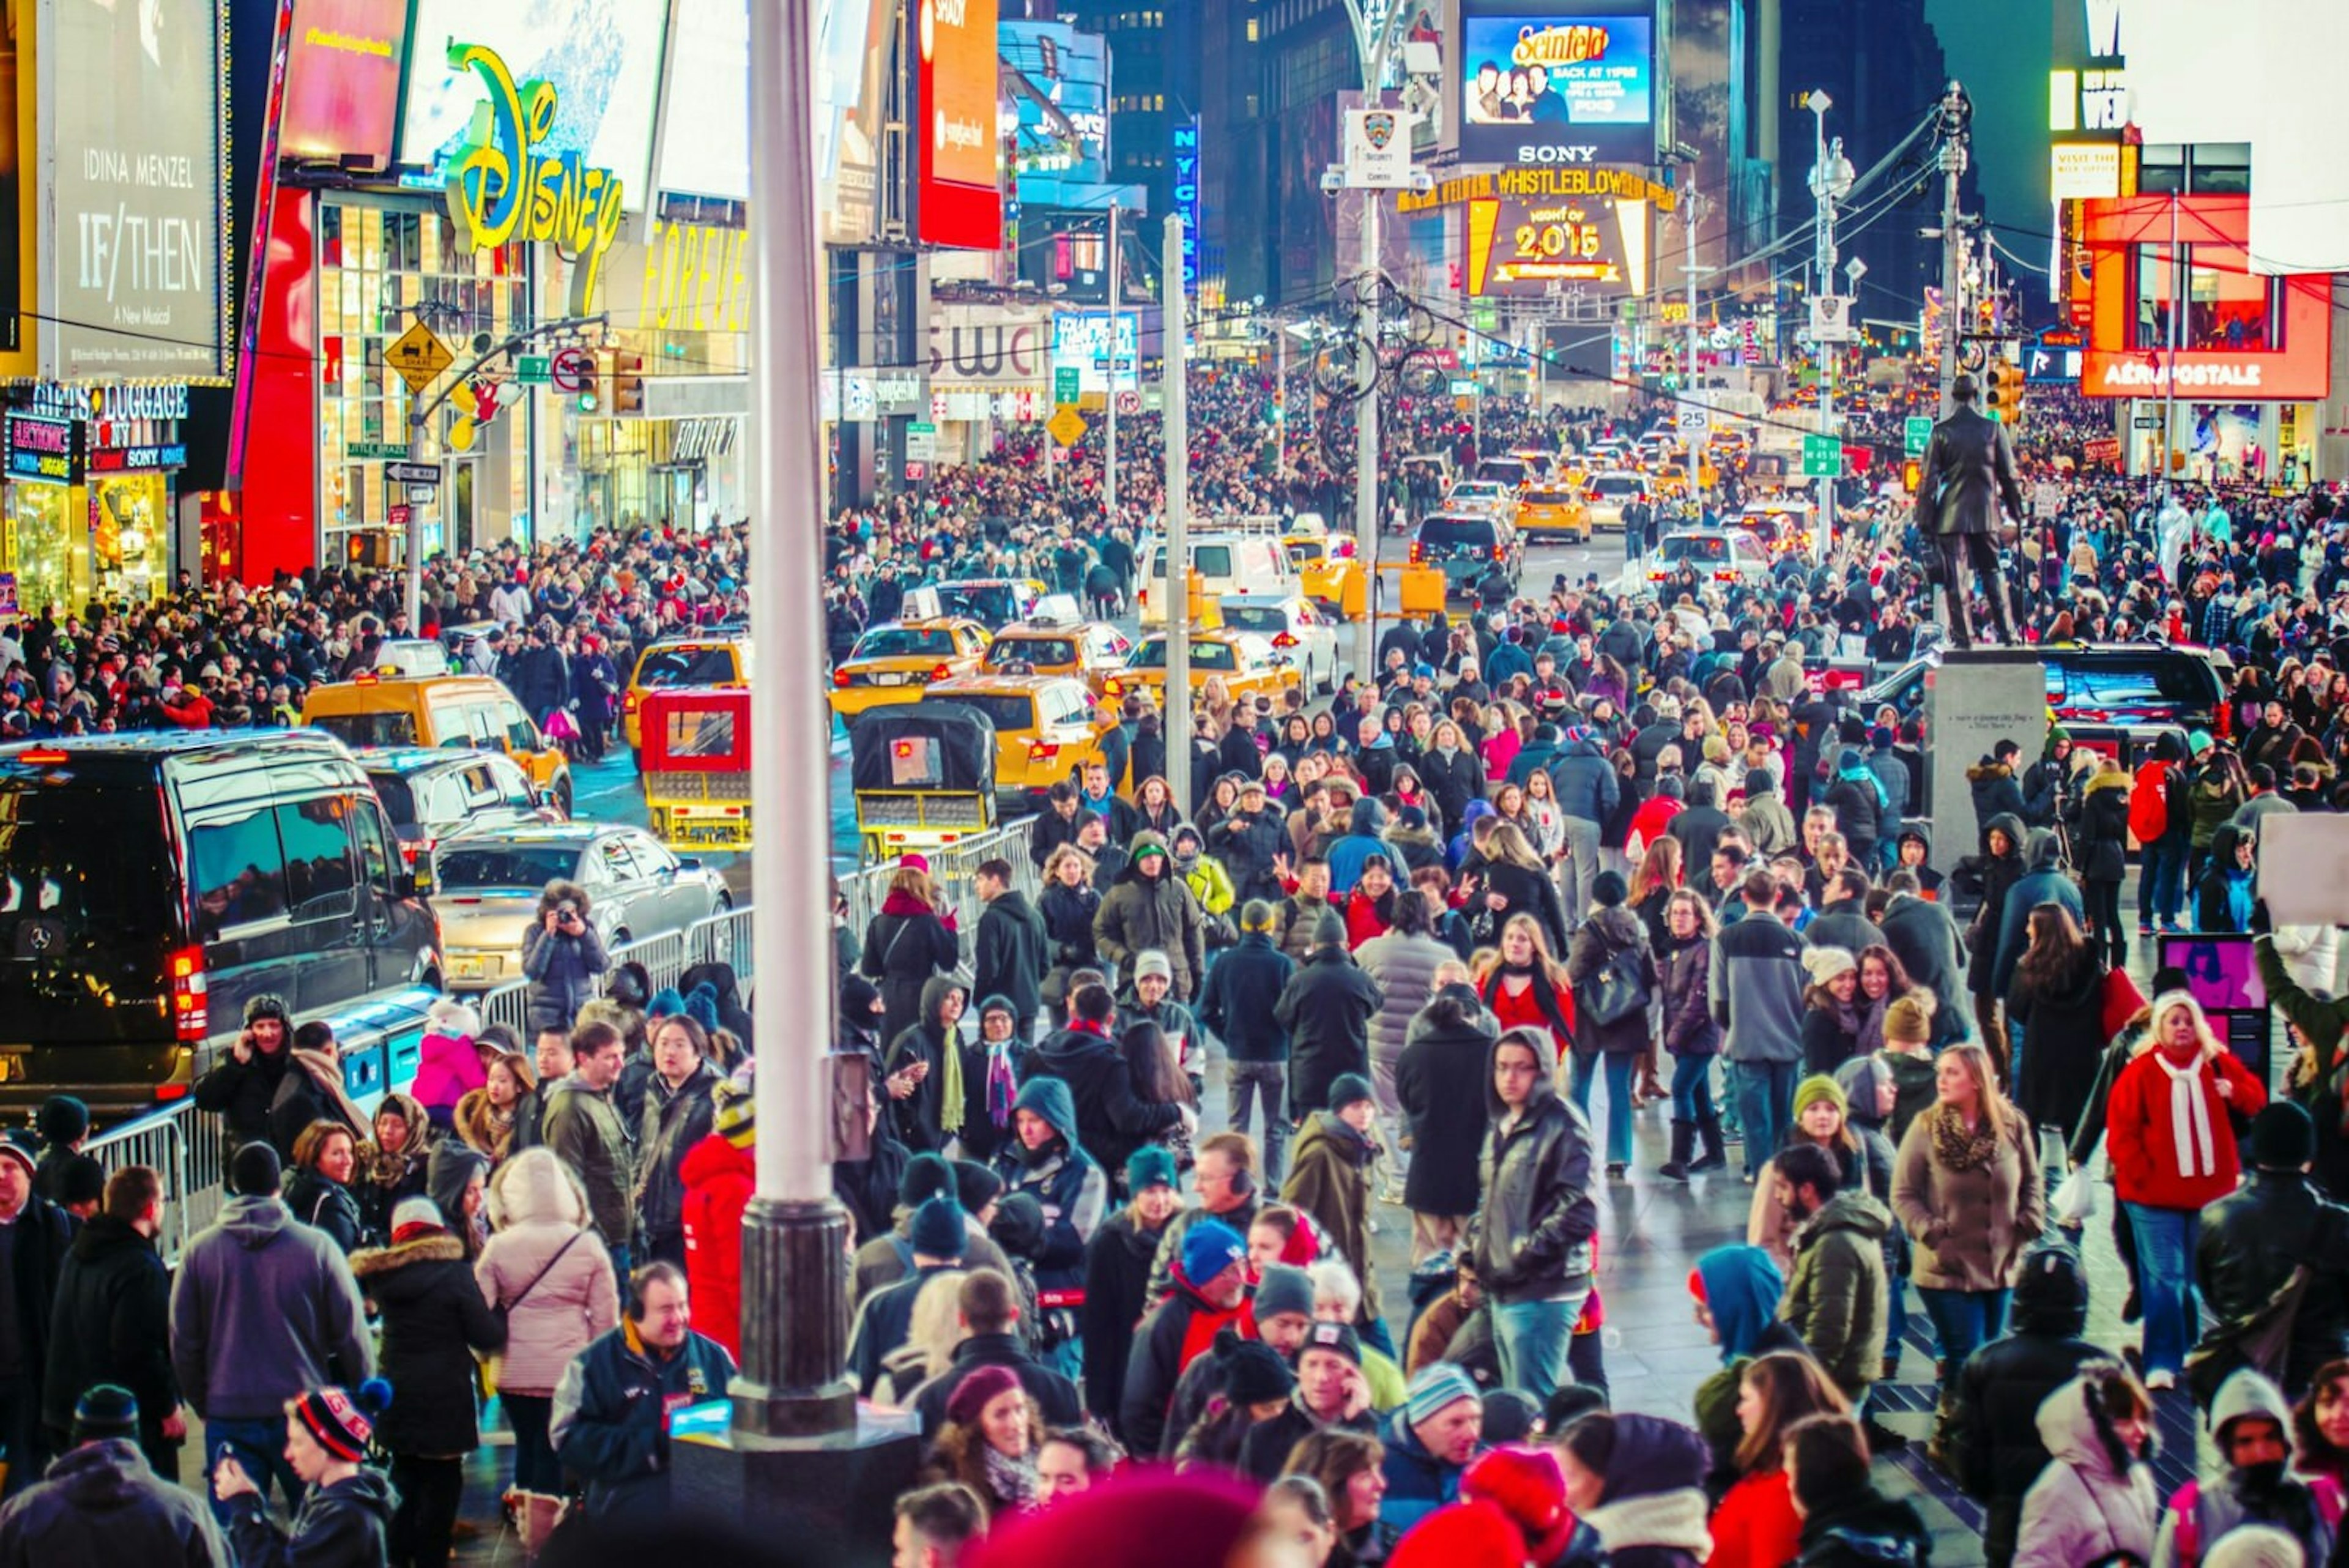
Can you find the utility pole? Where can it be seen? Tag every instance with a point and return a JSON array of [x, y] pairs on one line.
[[1109, 441], [1957, 113], [1366, 438], [1174, 378], [2180, 282], [1831, 181], [1280, 392]]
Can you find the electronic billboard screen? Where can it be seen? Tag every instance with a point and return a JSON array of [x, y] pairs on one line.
[[1546, 81]]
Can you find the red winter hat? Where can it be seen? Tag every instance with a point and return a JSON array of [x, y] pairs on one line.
[[1462, 1533], [1136, 1520], [1527, 1485], [977, 1387]]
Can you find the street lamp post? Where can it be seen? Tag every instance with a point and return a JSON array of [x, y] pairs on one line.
[[1831, 182], [797, 1459], [1177, 396]]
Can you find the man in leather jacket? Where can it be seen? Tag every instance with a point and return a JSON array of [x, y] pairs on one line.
[[2254, 1238], [1532, 1240], [1969, 469]]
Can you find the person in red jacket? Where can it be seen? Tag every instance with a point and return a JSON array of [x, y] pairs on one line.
[[1369, 908], [2173, 1152], [719, 1174]]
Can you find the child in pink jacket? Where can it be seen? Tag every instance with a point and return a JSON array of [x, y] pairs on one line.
[[451, 1063]]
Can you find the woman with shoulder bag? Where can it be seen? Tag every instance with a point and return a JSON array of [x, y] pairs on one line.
[[551, 1278], [1614, 980]]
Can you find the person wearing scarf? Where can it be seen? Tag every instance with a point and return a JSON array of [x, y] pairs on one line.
[[2167, 1127], [1044, 1160], [989, 1071], [989, 1441], [924, 1063]]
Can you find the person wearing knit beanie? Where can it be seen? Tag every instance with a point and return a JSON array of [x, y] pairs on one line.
[[1525, 1483], [327, 1434], [938, 1232], [1819, 1090], [1283, 1292], [977, 1390], [1254, 1374], [1430, 1438], [1823, 964]]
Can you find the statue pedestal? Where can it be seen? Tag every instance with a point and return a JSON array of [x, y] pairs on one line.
[[827, 1499]]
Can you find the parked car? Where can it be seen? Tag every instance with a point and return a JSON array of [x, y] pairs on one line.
[[1294, 627], [1608, 493], [432, 795], [488, 887]]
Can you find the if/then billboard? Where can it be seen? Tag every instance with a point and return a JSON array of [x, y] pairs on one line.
[[1551, 81]]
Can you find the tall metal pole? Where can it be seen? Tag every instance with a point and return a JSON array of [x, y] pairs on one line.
[[1280, 392], [1954, 114], [1824, 187], [794, 1272], [1366, 439], [1108, 440], [1176, 382], [1691, 214], [2180, 286]]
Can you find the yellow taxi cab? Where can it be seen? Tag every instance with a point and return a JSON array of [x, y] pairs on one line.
[[436, 710], [1047, 727], [705, 660], [1551, 511], [1090, 650], [896, 663], [1329, 571], [1244, 661]]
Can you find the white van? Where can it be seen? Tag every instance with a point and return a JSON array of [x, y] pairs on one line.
[[1249, 563]]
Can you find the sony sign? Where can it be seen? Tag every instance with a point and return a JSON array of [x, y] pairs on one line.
[[1540, 154]]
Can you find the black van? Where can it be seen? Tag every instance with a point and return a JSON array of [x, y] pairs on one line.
[[1467, 546], [150, 884]]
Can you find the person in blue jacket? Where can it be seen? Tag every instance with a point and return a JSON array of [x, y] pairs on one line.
[[612, 1406], [1043, 1159], [2224, 897], [1430, 1438]]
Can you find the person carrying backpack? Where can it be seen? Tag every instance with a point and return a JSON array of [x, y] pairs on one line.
[[2164, 833]]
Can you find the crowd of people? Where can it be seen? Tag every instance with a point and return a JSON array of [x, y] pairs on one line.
[[1445, 939]]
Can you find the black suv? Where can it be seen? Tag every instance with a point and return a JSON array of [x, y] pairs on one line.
[[2127, 694], [1467, 546]]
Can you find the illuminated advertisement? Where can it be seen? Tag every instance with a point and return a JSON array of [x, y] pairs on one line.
[[1186, 197], [1542, 81], [342, 81], [603, 57], [2242, 338], [1063, 133], [1521, 245], [960, 203], [1081, 342], [133, 289], [705, 146]]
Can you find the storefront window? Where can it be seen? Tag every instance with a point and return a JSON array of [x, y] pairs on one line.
[[45, 533], [383, 271], [130, 536]]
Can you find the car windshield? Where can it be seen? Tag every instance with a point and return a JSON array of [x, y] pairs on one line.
[[1270, 619], [905, 642], [505, 866], [1704, 549], [694, 665], [1456, 532], [1615, 484], [1033, 650], [1152, 655], [1008, 710], [390, 728], [990, 602]]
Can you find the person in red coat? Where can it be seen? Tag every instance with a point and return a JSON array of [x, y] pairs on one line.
[[719, 1175], [2173, 1152]]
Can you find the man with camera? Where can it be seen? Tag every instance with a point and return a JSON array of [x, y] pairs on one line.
[[561, 956]]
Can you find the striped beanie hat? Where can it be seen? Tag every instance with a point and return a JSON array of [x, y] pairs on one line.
[[737, 1117]]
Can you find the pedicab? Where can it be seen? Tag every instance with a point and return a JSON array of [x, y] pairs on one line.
[[924, 776], [694, 747]]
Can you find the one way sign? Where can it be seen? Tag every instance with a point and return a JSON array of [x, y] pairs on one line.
[[426, 473]]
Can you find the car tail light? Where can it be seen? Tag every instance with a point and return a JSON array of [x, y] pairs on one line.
[[1418, 553], [840, 678], [630, 704], [1723, 574], [1286, 639], [1500, 553], [1141, 597], [1043, 751], [940, 672], [190, 1004], [2223, 721], [44, 757]]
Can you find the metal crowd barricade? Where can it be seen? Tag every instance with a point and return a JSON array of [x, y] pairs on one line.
[[508, 1004], [665, 957], [182, 1146]]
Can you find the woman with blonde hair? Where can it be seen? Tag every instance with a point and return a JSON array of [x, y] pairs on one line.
[[1524, 986], [930, 1341], [1068, 905], [1966, 1189], [1517, 883]]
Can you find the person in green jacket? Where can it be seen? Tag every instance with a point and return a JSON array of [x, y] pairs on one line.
[[1835, 1293]]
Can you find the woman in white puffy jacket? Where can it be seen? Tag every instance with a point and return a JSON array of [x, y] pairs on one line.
[[2096, 1500]]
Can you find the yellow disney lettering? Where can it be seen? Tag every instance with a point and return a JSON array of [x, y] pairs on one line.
[[503, 184]]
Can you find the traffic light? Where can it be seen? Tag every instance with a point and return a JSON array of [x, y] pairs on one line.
[[2003, 389], [628, 383]]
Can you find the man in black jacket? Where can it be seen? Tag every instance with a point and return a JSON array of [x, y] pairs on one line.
[[1969, 469], [1924, 937], [35, 1236], [1326, 1007], [1999, 1450], [987, 1307], [1242, 989], [1009, 956], [2254, 1238], [1082, 1055], [113, 1321], [1531, 1241], [1440, 1084]]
